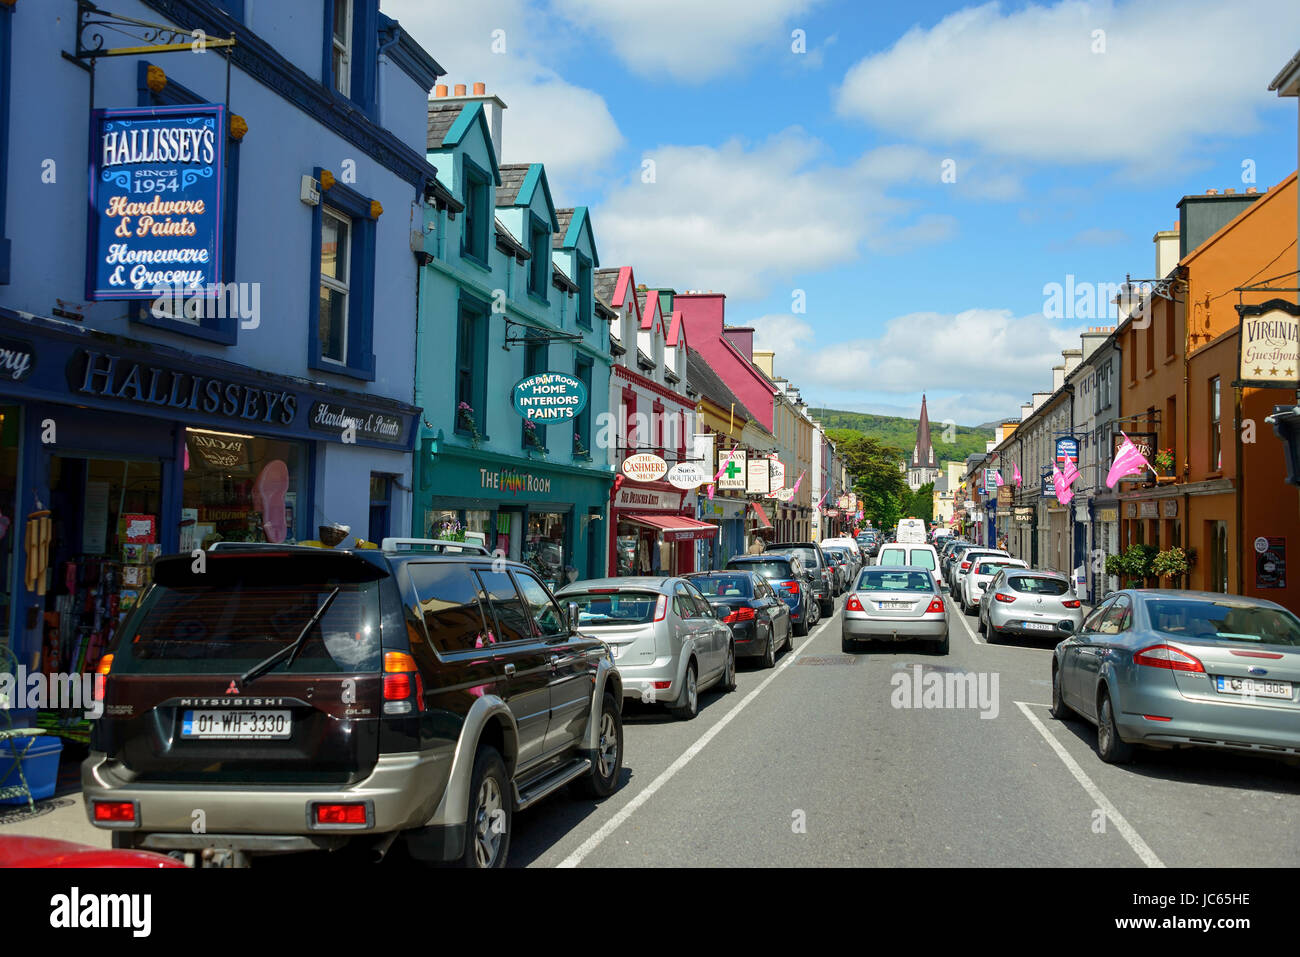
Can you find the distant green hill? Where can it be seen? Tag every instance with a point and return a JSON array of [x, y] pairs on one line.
[[900, 433]]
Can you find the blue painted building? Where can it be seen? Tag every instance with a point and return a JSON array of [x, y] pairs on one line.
[[508, 292], [286, 176]]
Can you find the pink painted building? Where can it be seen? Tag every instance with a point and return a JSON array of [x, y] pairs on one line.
[[728, 352]]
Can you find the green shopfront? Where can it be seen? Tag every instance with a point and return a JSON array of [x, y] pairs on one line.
[[549, 516]]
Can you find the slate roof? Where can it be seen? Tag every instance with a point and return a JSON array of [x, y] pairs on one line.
[[710, 385], [508, 244], [512, 180], [564, 217], [605, 282], [441, 118]]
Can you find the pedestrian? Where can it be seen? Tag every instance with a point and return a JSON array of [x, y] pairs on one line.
[[757, 546]]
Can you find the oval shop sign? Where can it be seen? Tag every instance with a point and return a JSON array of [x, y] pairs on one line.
[[549, 397]]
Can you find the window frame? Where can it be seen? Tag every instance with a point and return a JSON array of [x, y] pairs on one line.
[[583, 368], [477, 190], [344, 74], [6, 67], [487, 604], [519, 576], [539, 270], [474, 314], [1215, 412], [333, 283], [536, 360], [586, 294], [360, 356]]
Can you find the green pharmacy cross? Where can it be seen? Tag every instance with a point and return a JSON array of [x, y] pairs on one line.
[[733, 470]]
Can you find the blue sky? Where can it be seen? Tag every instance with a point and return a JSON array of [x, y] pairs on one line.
[[1073, 129]]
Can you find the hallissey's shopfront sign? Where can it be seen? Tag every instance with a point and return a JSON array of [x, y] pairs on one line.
[[155, 201]]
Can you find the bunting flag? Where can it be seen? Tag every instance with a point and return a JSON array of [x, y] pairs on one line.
[[1070, 473], [1128, 461], [822, 500], [1016, 465], [797, 482], [997, 478], [711, 487], [731, 453], [1063, 493]]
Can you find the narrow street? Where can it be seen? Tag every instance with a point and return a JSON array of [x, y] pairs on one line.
[[817, 741]]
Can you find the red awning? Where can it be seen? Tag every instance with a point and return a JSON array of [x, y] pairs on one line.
[[674, 528], [763, 520]]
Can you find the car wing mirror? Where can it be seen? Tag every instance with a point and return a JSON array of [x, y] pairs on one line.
[[572, 610]]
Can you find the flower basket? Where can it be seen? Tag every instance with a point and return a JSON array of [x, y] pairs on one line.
[[451, 531], [1172, 563], [466, 421], [531, 441]]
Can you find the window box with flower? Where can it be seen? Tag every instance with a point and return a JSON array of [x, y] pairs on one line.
[[532, 441], [580, 448], [1163, 461], [467, 422]]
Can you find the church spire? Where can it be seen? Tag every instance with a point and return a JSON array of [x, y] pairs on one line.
[[923, 452]]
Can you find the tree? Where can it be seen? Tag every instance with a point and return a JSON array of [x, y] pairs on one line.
[[877, 481], [920, 504]]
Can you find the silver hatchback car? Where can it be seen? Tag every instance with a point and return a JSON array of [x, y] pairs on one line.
[[1033, 604], [667, 641], [897, 603]]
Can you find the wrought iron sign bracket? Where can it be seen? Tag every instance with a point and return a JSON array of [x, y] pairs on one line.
[[92, 23], [534, 335]]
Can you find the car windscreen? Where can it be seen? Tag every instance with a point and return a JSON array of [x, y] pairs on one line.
[[1223, 621], [893, 556], [921, 557], [1033, 585], [770, 569], [991, 568], [724, 586], [240, 613], [806, 555], [618, 608], [873, 579]]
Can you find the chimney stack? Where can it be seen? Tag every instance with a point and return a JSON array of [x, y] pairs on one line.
[[460, 89], [440, 89], [480, 89]]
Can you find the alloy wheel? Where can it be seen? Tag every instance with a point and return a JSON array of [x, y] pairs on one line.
[[487, 838], [607, 752]]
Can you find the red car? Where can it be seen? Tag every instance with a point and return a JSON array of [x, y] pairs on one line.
[[47, 852]]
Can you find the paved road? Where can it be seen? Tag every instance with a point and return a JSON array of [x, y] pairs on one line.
[[813, 764]]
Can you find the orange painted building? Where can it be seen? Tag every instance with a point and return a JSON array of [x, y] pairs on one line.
[[1225, 492]]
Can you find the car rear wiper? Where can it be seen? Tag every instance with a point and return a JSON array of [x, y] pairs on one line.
[[291, 650]]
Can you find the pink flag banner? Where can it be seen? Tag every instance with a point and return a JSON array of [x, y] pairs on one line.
[[997, 478], [1016, 466], [822, 501], [1063, 491], [1128, 461], [1070, 473], [797, 483]]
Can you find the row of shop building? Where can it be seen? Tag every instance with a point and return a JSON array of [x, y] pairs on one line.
[[1198, 363], [376, 283]]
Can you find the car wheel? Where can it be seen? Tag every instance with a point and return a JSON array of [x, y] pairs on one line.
[[1109, 746], [729, 676], [789, 636], [1059, 709], [846, 645], [690, 705], [602, 780], [769, 652], [487, 827], [980, 624], [799, 628], [828, 608], [941, 647]]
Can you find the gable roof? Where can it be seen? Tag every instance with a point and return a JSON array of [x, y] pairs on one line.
[[571, 224], [676, 330], [604, 282], [448, 123], [648, 300], [512, 178]]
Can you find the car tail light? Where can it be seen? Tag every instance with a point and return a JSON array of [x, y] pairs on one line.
[[1155, 717], [740, 614], [403, 686], [853, 604], [936, 605], [663, 685], [341, 814], [661, 608], [965, 565], [1254, 654], [603, 591], [115, 812], [1167, 656], [105, 665], [791, 586], [1001, 596], [1073, 603]]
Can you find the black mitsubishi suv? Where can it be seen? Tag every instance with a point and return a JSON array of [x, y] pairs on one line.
[[272, 699]]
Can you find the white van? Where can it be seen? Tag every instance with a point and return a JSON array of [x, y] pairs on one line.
[[850, 543], [911, 531], [905, 553]]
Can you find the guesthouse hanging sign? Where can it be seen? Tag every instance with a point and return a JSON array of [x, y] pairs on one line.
[[155, 202], [1269, 344]]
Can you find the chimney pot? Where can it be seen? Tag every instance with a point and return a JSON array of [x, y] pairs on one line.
[[1250, 190], [1228, 192], [460, 89], [480, 89], [440, 89], [1208, 192]]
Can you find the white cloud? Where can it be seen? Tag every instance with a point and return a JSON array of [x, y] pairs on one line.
[[740, 219], [689, 40], [547, 119], [978, 353], [781, 333], [928, 229], [1027, 83]]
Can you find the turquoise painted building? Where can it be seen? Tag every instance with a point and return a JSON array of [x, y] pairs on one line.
[[507, 291]]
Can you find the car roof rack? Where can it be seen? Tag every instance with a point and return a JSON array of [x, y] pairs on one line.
[[224, 546], [439, 545]]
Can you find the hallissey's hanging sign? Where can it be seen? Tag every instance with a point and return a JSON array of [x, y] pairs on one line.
[[155, 202]]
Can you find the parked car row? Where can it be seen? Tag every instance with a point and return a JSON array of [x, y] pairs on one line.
[[326, 699]]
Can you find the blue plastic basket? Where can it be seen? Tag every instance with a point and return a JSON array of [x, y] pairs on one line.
[[40, 766]]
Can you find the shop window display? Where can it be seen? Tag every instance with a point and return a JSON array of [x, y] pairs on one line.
[[544, 547], [240, 488]]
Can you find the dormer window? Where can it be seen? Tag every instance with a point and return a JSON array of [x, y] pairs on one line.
[[478, 212], [585, 295], [342, 47], [539, 244]]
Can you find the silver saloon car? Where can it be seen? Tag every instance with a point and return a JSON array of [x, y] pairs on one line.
[[895, 603], [667, 641], [1020, 602], [1168, 669]]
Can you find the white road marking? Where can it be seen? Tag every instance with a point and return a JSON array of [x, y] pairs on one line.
[[608, 828], [1125, 829], [961, 616]]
